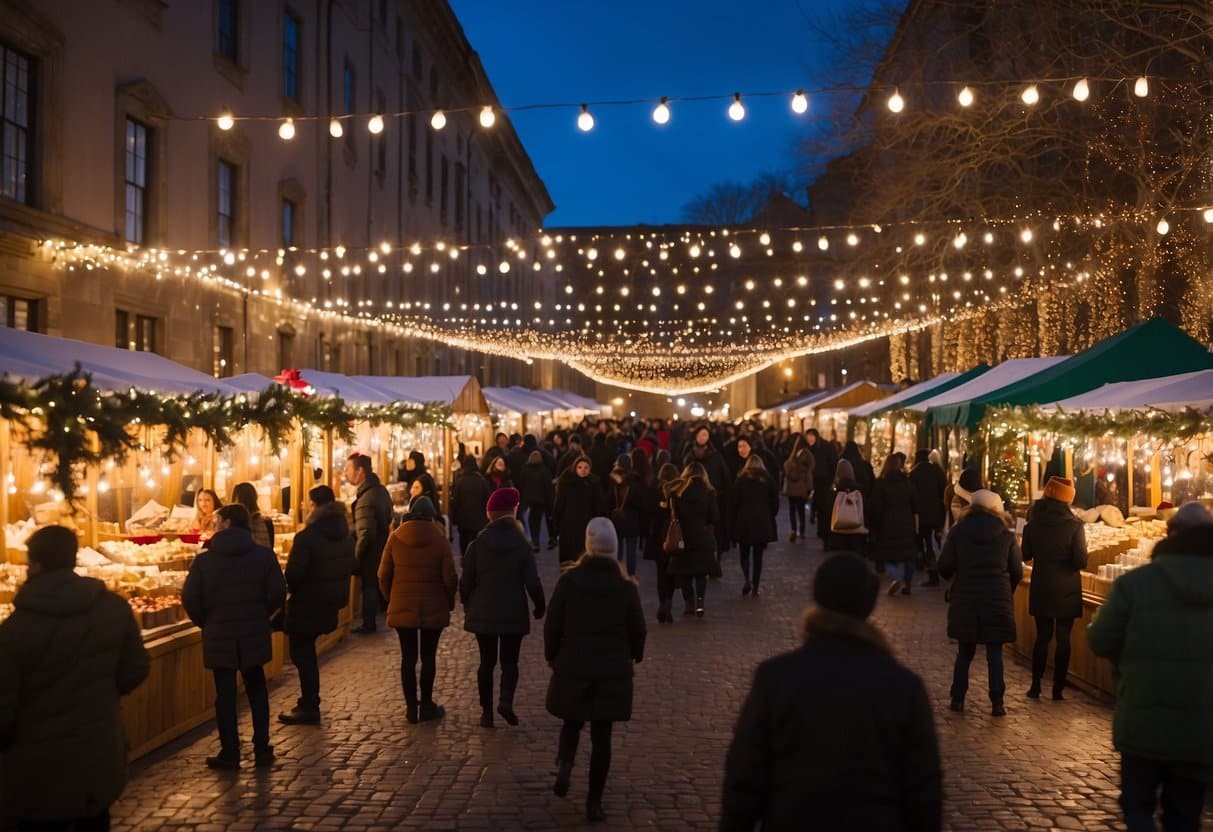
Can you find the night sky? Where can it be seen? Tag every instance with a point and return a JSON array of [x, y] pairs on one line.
[[628, 169]]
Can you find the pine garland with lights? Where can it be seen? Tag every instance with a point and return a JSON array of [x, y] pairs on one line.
[[1167, 426]]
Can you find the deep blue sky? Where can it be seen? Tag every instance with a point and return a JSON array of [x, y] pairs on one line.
[[629, 170]]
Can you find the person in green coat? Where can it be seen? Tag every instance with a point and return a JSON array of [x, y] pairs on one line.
[[1157, 628]]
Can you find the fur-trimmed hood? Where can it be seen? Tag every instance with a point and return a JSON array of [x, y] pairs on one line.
[[819, 622]]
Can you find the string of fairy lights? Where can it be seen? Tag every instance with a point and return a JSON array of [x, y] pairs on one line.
[[1029, 93], [684, 310]]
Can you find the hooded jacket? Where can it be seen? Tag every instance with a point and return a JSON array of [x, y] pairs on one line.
[[68, 652], [859, 753], [417, 575], [535, 484], [318, 571], [1157, 628], [1056, 546], [983, 555], [372, 523], [230, 591], [890, 517], [798, 474], [469, 495]]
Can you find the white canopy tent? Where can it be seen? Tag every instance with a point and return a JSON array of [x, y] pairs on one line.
[[864, 410], [997, 377], [1172, 393]]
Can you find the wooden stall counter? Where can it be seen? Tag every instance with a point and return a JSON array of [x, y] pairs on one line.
[[1087, 671]]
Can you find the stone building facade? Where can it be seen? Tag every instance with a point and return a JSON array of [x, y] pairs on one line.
[[110, 138]]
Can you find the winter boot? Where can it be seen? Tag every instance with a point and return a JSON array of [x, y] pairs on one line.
[[1034, 691], [564, 771]]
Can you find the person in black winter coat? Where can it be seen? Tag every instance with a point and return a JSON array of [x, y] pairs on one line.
[[892, 520], [754, 504], [929, 482], [538, 490], [864, 475], [602, 457], [372, 524], [626, 499], [654, 545], [593, 634], [578, 500], [695, 506], [1056, 545], [318, 573], [982, 553], [68, 654], [848, 539], [497, 472], [825, 461], [499, 573], [412, 468], [469, 494], [232, 588], [837, 734], [717, 471]]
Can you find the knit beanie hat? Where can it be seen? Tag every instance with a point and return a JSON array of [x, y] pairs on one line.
[[321, 495], [503, 499], [1061, 489], [845, 583], [600, 538], [424, 507], [844, 471], [989, 501], [1189, 515]]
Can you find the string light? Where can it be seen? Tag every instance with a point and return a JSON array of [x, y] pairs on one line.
[[286, 130], [1082, 91], [375, 124], [1163, 227], [800, 103], [438, 120], [896, 102], [585, 121], [1141, 88], [1030, 95], [335, 128], [225, 121], [737, 109], [965, 97], [487, 117], [661, 113]]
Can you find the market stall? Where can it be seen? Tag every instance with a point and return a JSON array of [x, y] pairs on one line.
[[781, 415], [876, 425]]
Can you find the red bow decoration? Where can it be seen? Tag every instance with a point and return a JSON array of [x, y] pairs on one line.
[[294, 380]]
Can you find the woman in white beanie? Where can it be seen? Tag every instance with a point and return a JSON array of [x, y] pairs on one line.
[[982, 553], [593, 634]]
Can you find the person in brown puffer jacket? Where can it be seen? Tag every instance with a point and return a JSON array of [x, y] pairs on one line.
[[417, 576]]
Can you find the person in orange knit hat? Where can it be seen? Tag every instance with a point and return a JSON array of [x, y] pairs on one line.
[[1056, 546]]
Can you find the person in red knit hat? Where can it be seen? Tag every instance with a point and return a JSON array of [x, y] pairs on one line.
[[499, 572]]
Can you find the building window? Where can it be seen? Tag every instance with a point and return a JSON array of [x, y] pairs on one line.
[[146, 333], [21, 313], [290, 57], [347, 98], [429, 166], [136, 181], [17, 120], [446, 172], [289, 209], [226, 228], [286, 349], [227, 30], [122, 329], [223, 346]]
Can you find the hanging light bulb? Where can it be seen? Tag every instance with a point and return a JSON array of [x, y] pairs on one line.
[[1142, 87], [1030, 95], [737, 109], [487, 117], [335, 128], [896, 102], [734, 251], [823, 243], [1209, 215], [1026, 235], [286, 130], [225, 121], [764, 238], [1163, 226], [661, 113], [1082, 90], [965, 97], [438, 120], [800, 103], [960, 240], [375, 124], [585, 121]]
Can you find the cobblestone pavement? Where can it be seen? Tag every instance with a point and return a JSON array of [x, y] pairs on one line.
[[1046, 765]]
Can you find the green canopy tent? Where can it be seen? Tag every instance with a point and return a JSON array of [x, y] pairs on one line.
[[1149, 350]]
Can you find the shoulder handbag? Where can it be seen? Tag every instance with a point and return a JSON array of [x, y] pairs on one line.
[[847, 516], [618, 514], [674, 541]]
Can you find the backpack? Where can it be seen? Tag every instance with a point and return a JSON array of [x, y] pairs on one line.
[[847, 516]]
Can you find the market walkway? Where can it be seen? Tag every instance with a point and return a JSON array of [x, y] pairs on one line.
[[1046, 765]]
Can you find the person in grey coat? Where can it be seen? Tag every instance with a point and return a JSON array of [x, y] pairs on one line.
[[232, 588], [68, 653], [982, 553], [1056, 546], [372, 525], [499, 572], [593, 634]]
